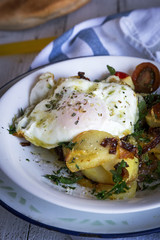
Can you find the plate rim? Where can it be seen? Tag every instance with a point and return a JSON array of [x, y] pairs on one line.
[[76, 233]]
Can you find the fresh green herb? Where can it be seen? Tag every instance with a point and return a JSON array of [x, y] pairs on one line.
[[96, 80], [12, 129], [111, 70], [77, 166], [141, 139], [61, 179], [76, 122], [139, 150], [139, 126], [152, 99], [120, 185], [146, 159], [111, 92], [73, 114], [49, 86], [27, 160], [142, 107], [69, 145], [53, 104], [117, 173]]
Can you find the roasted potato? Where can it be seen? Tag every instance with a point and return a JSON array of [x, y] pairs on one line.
[[156, 149], [157, 155], [98, 174], [102, 174], [153, 116], [132, 169], [88, 152], [128, 81]]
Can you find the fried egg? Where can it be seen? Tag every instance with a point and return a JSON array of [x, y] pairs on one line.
[[76, 105]]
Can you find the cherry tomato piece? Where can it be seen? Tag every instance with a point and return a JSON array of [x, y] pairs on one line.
[[121, 75], [146, 78]]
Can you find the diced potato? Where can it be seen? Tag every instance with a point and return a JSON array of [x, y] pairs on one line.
[[98, 174], [132, 168], [157, 155], [88, 152], [153, 116], [156, 149], [128, 81], [130, 193]]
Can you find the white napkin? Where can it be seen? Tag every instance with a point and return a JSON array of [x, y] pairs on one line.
[[136, 34]]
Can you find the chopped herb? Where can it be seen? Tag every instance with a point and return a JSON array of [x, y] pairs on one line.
[[27, 160], [53, 104], [12, 129], [69, 145], [76, 122], [111, 70], [152, 99], [141, 139], [123, 88], [139, 150], [96, 80], [111, 92], [61, 179], [138, 127], [49, 86], [77, 166], [120, 185], [117, 173], [73, 114]]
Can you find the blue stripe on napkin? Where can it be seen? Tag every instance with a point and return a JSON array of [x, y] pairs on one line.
[[111, 35]]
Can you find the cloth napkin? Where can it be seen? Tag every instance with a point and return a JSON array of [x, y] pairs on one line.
[[135, 33]]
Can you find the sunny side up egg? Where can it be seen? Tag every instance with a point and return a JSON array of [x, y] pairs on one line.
[[76, 105]]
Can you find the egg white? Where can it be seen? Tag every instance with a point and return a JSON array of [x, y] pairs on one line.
[[78, 105]]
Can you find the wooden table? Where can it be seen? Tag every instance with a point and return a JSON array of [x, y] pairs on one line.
[[12, 227]]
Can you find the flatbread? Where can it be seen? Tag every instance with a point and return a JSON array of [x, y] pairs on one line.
[[22, 14]]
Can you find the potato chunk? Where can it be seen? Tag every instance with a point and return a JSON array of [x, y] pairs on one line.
[[128, 81], [157, 155], [98, 174], [156, 149], [153, 116], [132, 169], [88, 152]]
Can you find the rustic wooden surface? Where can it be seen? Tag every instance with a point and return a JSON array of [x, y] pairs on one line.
[[11, 227], [19, 14]]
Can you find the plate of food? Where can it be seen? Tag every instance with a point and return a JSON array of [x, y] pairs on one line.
[[81, 146]]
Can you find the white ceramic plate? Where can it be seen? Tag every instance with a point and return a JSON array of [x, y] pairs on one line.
[[22, 181]]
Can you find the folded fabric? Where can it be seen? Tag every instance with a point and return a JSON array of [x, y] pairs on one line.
[[135, 33]]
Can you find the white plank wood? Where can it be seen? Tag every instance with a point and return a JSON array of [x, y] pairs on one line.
[[37, 233], [14, 65], [51, 28], [11, 227], [96, 8]]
